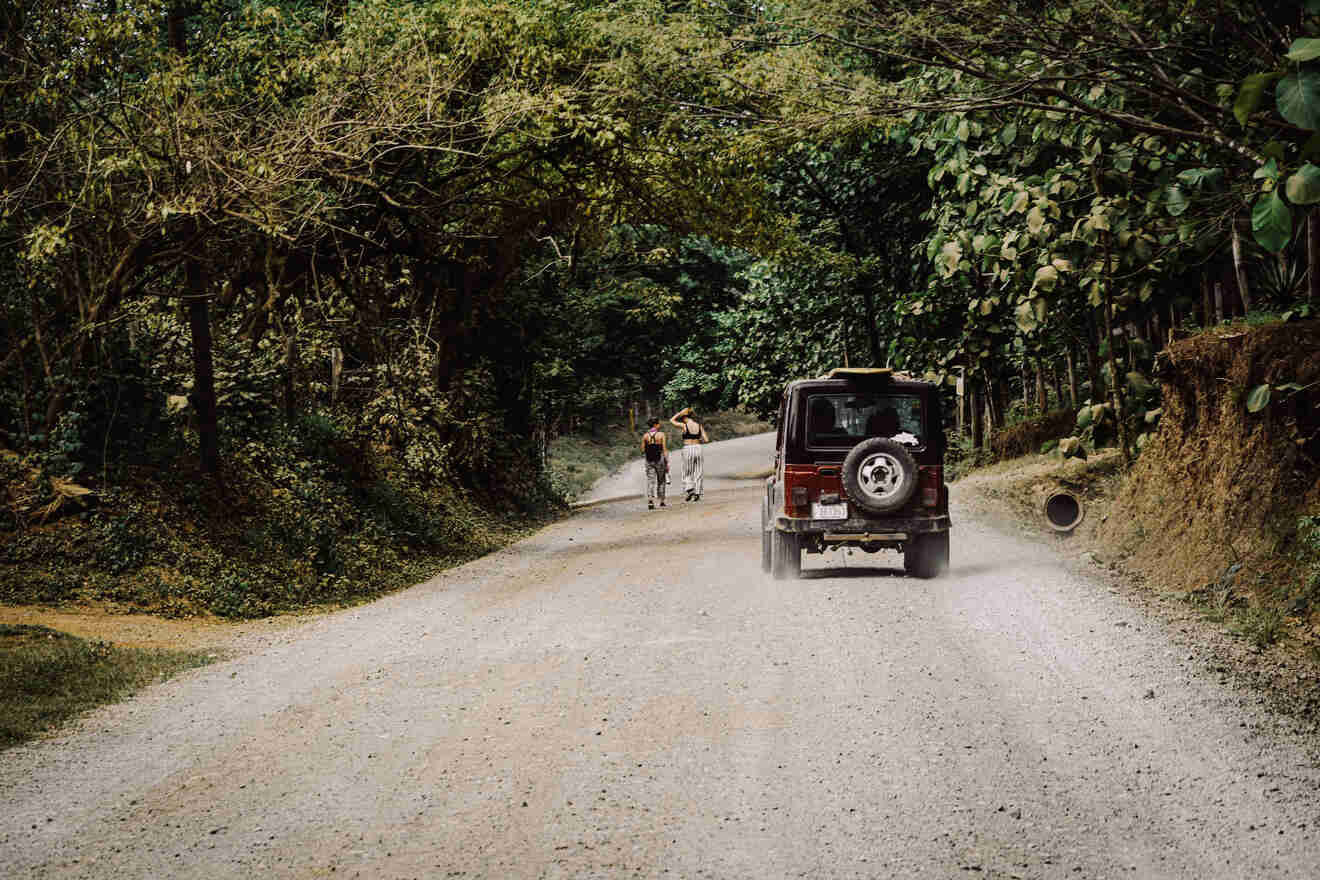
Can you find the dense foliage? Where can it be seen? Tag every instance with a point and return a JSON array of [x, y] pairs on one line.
[[450, 229]]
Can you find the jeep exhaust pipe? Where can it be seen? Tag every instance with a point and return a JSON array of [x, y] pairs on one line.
[[1064, 511]]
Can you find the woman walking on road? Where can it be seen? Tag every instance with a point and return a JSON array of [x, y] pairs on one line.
[[656, 450], [693, 436]]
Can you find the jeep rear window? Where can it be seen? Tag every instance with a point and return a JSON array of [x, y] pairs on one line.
[[835, 420]]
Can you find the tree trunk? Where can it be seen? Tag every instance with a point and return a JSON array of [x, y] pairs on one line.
[[998, 404], [203, 393], [1073, 395], [27, 403], [1056, 378], [1042, 394], [961, 397], [1026, 389], [174, 28], [336, 370], [290, 372], [1313, 256], [1219, 301], [1240, 269], [1207, 303], [872, 332], [1093, 358], [978, 412], [1116, 387]]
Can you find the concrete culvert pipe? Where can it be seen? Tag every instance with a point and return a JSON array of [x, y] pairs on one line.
[[1063, 511]]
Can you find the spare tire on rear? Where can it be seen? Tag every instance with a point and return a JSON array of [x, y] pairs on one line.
[[879, 475]]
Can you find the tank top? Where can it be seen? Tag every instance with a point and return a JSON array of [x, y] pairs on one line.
[[687, 436], [652, 447]]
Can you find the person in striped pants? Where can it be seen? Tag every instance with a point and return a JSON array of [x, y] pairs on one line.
[[693, 436]]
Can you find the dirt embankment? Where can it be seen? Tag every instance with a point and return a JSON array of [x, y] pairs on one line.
[[1221, 486], [1204, 527], [1213, 501]]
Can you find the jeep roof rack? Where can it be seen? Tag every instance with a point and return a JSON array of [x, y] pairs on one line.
[[869, 373], [858, 372]]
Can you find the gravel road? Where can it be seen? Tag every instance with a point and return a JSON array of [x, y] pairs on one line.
[[625, 694]]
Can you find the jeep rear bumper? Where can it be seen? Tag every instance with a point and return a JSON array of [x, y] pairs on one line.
[[861, 529]]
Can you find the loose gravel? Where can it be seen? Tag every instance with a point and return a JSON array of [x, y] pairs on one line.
[[626, 694]]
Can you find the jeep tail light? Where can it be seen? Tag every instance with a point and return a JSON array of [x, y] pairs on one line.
[[798, 484], [929, 486]]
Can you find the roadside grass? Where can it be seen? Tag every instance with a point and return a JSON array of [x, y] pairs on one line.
[[48, 677], [1267, 612], [1262, 626], [578, 460]]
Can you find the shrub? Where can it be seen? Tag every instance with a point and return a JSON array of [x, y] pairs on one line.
[[1027, 437]]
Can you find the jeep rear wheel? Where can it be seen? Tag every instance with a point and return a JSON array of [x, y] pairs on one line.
[[879, 475], [767, 535], [785, 555]]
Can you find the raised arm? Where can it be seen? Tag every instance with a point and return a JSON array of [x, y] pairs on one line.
[[677, 418]]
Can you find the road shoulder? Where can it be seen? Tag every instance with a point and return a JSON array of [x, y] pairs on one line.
[[1009, 496]]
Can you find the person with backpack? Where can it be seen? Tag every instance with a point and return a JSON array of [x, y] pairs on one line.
[[693, 466], [655, 448]]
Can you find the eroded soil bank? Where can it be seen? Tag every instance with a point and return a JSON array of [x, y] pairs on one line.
[[1221, 486], [1208, 523]]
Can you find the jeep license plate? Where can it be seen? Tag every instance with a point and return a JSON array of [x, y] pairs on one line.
[[829, 511]]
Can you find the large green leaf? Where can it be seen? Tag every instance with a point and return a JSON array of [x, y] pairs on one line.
[[1025, 317], [950, 256], [1139, 384], [1303, 187], [1250, 93], [1046, 278], [1271, 222], [1304, 49], [1201, 176], [1258, 398], [1298, 97], [1176, 201]]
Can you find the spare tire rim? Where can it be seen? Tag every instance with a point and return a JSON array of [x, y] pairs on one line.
[[880, 475]]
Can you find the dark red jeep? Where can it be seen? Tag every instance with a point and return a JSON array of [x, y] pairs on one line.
[[859, 462]]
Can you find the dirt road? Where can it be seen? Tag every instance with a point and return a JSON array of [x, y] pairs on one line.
[[626, 695]]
